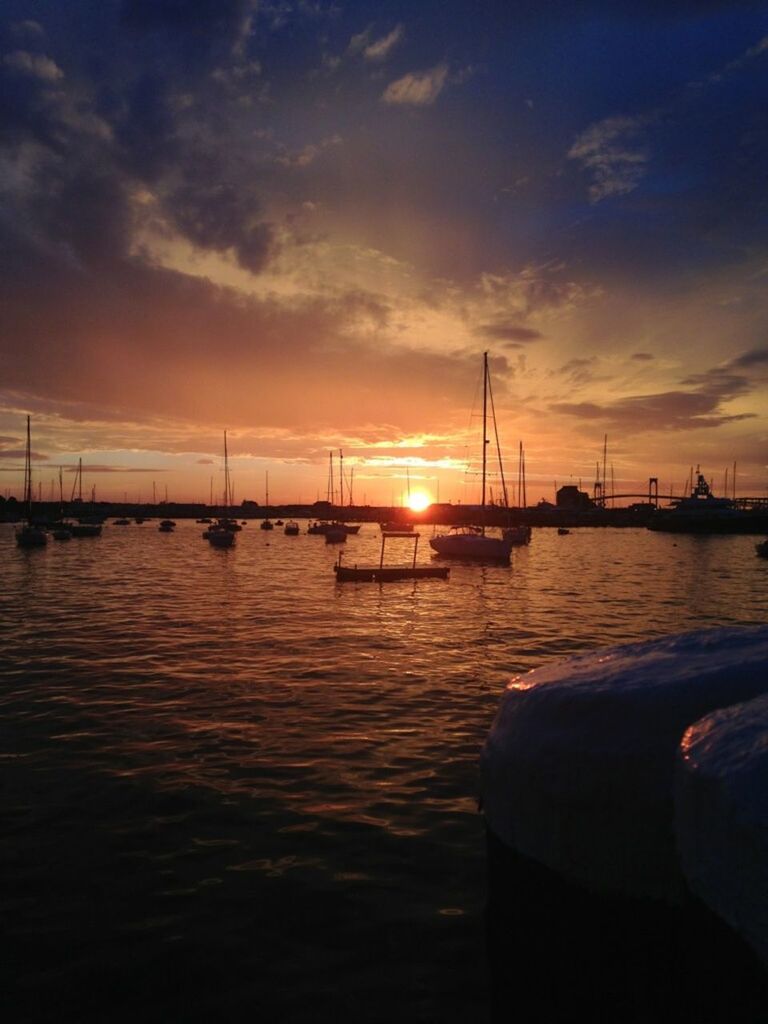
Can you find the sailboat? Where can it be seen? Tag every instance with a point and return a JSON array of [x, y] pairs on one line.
[[471, 542], [267, 524], [87, 525], [222, 533], [61, 530], [338, 526], [29, 536]]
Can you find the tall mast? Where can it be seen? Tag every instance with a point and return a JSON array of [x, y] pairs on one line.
[[341, 478], [498, 446], [226, 476], [28, 475], [267, 490], [78, 482], [485, 438]]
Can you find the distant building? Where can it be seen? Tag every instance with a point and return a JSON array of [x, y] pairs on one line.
[[571, 498]]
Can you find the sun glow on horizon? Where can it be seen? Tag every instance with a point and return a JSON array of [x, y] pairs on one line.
[[419, 500]]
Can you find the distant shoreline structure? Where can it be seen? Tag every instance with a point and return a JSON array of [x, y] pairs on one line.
[[753, 518]]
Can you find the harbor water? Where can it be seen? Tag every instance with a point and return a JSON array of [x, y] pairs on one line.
[[235, 788]]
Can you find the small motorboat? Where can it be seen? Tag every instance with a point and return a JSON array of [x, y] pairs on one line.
[[762, 549], [562, 531], [291, 529]]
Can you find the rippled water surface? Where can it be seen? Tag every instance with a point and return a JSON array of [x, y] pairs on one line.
[[233, 788]]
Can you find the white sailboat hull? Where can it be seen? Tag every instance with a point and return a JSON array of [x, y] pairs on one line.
[[472, 546]]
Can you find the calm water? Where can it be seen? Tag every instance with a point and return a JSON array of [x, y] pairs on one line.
[[233, 788]]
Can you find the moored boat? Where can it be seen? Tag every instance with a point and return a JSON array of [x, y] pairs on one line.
[[472, 542], [702, 512], [29, 535]]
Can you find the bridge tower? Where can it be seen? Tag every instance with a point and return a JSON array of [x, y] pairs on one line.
[[653, 491]]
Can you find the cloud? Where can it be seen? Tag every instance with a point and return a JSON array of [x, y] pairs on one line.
[[509, 332], [33, 64], [609, 151], [417, 88], [700, 407], [641, 357], [671, 410], [381, 48], [7, 454], [755, 357], [219, 216], [205, 462]]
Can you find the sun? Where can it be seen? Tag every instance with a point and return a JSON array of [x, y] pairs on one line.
[[418, 501]]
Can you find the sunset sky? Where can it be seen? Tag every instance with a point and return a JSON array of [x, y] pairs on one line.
[[305, 222]]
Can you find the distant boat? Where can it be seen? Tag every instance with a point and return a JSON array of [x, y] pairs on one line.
[[267, 524], [518, 534], [122, 522], [394, 527], [167, 526], [222, 533], [291, 528], [563, 531], [471, 542], [29, 535], [85, 529], [702, 512], [322, 527], [762, 549]]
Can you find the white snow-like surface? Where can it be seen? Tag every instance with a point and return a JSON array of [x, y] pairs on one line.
[[721, 816], [577, 771]]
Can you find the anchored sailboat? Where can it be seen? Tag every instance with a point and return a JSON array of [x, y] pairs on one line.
[[29, 536], [267, 524], [471, 542], [222, 533]]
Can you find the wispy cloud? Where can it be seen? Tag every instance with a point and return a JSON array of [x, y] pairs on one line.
[[610, 151], [34, 64], [417, 88], [381, 48]]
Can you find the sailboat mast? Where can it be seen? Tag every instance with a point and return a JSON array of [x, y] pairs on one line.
[[485, 438], [226, 476], [498, 447], [341, 478], [28, 475]]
